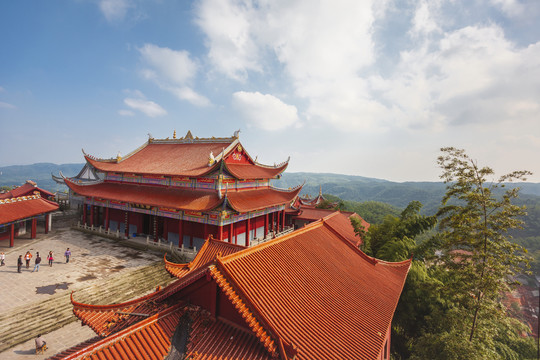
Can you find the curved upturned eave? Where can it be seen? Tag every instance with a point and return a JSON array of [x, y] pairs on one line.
[[252, 200], [180, 199], [255, 171]]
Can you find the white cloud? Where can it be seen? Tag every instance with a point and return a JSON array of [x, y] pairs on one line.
[[229, 27], [186, 93], [4, 105], [265, 111], [172, 71], [173, 65], [114, 10], [149, 108], [124, 112]]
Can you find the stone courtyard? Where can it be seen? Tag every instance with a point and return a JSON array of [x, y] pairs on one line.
[[94, 259]]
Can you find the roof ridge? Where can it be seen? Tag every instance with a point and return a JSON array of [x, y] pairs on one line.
[[20, 198], [247, 314], [370, 259], [272, 242]]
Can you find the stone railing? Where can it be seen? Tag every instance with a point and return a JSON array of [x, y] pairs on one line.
[[158, 245], [169, 246], [270, 236]]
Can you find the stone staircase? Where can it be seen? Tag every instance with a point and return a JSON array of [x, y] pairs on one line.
[[23, 323]]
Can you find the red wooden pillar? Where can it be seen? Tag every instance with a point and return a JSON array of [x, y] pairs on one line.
[[127, 225], [34, 229], [155, 229], [11, 235], [206, 231], [247, 232], [106, 218], [265, 225], [277, 221], [220, 233], [165, 229], [231, 233], [180, 233], [47, 217], [235, 234], [283, 222], [84, 214], [91, 215]]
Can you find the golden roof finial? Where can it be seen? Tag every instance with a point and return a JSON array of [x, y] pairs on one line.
[[174, 134]]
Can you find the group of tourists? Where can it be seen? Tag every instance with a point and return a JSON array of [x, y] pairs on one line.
[[37, 261]]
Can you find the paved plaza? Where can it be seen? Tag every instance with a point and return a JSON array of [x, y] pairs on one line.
[[93, 259]]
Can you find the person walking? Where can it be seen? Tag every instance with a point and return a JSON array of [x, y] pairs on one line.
[[50, 258], [67, 254], [37, 262], [19, 263], [27, 257], [2, 259]]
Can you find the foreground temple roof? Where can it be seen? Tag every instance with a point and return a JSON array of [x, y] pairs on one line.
[[310, 294], [27, 188], [24, 207], [188, 156], [338, 304]]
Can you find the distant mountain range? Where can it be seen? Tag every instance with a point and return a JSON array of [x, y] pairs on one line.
[[346, 187]]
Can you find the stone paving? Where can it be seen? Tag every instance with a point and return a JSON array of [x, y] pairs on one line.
[[93, 258]]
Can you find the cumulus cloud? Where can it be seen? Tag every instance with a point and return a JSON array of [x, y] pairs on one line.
[[265, 111], [114, 10], [147, 107], [448, 70], [230, 33], [172, 70]]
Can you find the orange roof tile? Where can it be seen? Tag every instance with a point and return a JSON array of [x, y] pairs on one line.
[[250, 200], [255, 171], [150, 195], [108, 319], [341, 222], [339, 303], [24, 190], [213, 339], [208, 252], [24, 207], [177, 158], [148, 339]]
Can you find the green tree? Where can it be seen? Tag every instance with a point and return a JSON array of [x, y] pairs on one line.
[[476, 260]]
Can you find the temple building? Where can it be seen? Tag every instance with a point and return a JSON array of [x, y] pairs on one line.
[[183, 190], [21, 208], [309, 294]]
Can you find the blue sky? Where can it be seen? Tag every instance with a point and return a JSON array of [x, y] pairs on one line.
[[370, 88]]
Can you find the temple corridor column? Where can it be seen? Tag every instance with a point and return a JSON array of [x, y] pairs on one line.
[[11, 235], [47, 219], [91, 215], [180, 233], [33, 230], [127, 225], [247, 232], [106, 219], [231, 232], [283, 222], [84, 214], [265, 225]]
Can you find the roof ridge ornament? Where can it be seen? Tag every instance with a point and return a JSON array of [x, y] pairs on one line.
[[189, 135], [236, 134]]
